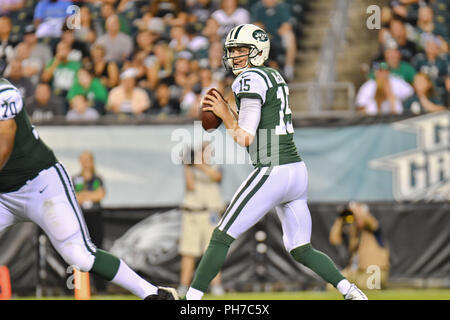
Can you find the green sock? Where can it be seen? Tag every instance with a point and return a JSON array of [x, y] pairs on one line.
[[318, 262], [212, 260], [105, 265]]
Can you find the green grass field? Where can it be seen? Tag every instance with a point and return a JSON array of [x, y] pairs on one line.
[[391, 294]]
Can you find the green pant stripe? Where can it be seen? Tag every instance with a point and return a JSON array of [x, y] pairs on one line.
[[249, 182], [247, 199], [77, 207], [73, 207]]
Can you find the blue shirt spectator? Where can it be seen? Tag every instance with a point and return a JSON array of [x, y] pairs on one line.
[[50, 15]]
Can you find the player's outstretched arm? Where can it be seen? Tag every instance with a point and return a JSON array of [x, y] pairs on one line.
[[7, 135]]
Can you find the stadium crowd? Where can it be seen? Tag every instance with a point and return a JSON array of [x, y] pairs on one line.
[[84, 59], [410, 73], [131, 58]]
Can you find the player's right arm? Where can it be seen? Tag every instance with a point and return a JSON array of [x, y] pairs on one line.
[[7, 135]]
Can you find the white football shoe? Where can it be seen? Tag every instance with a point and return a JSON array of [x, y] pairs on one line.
[[354, 293]]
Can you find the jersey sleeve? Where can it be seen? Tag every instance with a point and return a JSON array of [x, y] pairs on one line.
[[251, 84], [11, 103]]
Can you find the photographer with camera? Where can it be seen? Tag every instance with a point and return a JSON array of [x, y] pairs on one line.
[[357, 229], [201, 206]]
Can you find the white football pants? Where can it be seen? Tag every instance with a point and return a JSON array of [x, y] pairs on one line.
[[282, 187], [49, 201]]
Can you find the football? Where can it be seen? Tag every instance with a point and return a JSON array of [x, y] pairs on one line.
[[209, 120]]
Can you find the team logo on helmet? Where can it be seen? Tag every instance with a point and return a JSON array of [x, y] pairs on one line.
[[260, 35]]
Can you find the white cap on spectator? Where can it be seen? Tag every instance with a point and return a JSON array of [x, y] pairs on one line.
[[129, 73], [156, 25]]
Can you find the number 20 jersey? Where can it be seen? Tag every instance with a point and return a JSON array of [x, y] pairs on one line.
[[30, 154], [273, 143]]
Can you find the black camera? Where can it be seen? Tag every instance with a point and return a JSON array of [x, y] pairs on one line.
[[188, 157], [346, 214]]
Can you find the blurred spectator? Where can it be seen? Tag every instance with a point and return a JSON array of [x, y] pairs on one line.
[[211, 31], [108, 72], [7, 43], [360, 232], [49, 17], [90, 87], [43, 105], [207, 81], [171, 11], [190, 101], [431, 63], [229, 16], [201, 208], [145, 42], [61, 71], [108, 10], [118, 45], [274, 17], [31, 66], [15, 76], [127, 98], [86, 33], [200, 10], [79, 50], [160, 64], [164, 105], [384, 94], [9, 6], [38, 50], [397, 67], [215, 62], [427, 24], [424, 99], [179, 39], [406, 47], [90, 191], [197, 44], [80, 110]]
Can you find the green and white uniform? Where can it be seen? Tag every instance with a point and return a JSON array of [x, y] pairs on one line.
[[274, 144], [30, 154], [34, 186], [280, 177]]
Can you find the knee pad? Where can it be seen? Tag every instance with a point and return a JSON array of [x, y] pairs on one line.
[[76, 254]]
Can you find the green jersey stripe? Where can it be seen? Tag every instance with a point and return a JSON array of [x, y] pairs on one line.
[[247, 198], [66, 189], [6, 89]]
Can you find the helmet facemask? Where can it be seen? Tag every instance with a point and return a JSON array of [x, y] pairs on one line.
[[228, 59]]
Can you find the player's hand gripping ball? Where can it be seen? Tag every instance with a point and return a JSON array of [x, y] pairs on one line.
[[210, 121]]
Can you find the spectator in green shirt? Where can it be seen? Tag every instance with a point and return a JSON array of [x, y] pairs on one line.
[[60, 71], [90, 87], [396, 66]]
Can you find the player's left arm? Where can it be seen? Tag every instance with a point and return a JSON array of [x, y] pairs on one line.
[[7, 135]]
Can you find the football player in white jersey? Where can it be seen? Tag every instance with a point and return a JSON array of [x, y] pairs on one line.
[[280, 178]]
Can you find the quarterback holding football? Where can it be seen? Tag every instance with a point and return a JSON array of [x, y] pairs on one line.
[[280, 177]]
